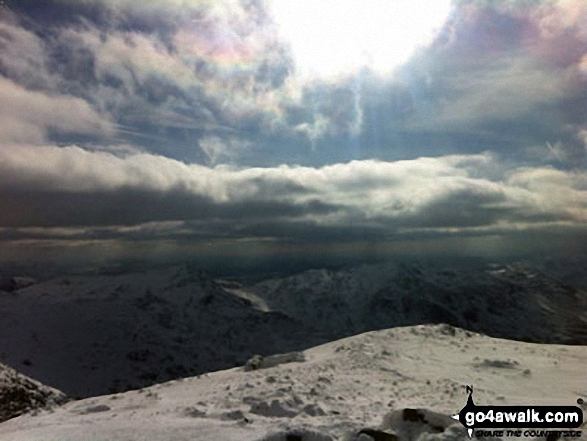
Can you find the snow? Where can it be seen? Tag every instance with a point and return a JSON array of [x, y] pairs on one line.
[[339, 389], [93, 335], [96, 334], [513, 301]]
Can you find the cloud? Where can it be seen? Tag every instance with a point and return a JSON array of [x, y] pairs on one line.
[[65, 187], [497, 63], [178, 71], [23, 57], [562, 17], [167, 109], [170, 68], [222, 150], [161, 68], [552, 193], [493, 80], [27, 115], [501, 90]]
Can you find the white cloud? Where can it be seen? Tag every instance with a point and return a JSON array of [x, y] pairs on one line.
[[27, 115], [23, 56], [550, 191], [207, 72], [449, 191], [130, 56], [222, 150], [563, 16], [582, 135], [502, 88]]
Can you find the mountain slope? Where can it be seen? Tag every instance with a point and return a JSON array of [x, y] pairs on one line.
[[20, 394], [88, 335], [96, 334], [513, 301], [343, 387]]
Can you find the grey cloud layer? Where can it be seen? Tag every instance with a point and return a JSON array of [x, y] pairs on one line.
[[56, 187]]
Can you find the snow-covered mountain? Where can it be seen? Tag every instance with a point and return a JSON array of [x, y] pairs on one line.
[[90, 335], [20, 394], [511, 301], [357, 389], [95, 334]]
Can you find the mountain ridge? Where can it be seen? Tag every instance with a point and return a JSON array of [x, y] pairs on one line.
[[91, 335]]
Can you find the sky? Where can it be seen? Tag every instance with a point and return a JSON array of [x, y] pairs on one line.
[[261, 129]]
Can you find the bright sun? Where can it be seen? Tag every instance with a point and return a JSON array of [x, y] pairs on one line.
[[334, 37]]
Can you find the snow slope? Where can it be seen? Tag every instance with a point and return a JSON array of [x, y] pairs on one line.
[[341, 388]]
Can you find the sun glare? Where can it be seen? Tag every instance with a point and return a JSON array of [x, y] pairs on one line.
[[336, 37]]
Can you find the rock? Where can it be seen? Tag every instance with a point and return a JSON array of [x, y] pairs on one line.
[[259, 362], [410, 424], [375, 435], [296, 435], [20, 394]]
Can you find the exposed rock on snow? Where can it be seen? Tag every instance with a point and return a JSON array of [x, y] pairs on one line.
[[297, 435], [411, 424], [260, 362], [20, 394], [374, 435]]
